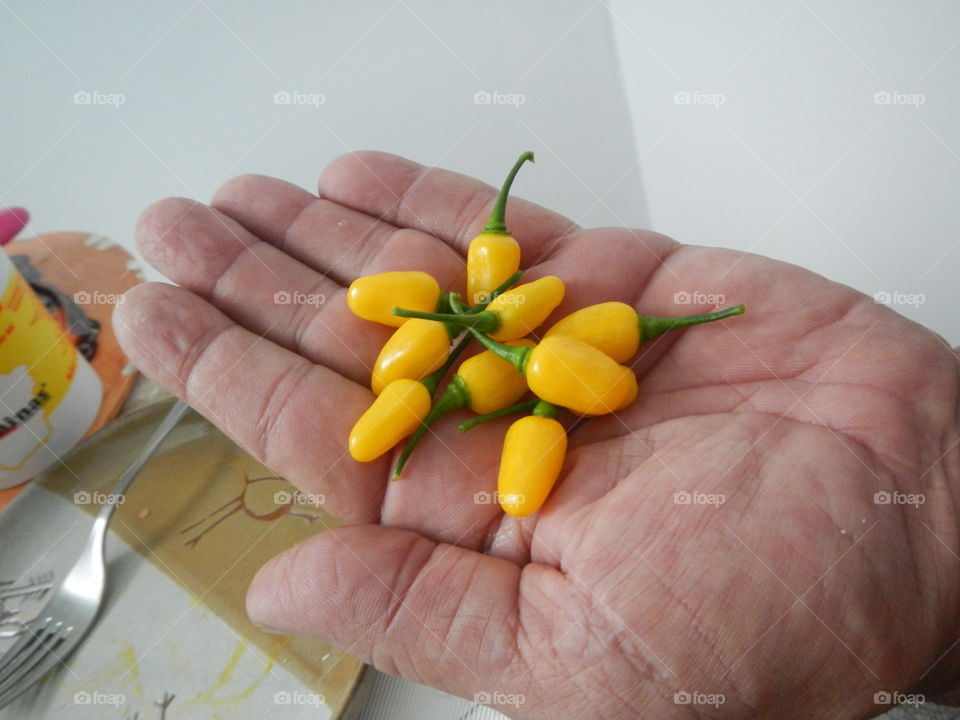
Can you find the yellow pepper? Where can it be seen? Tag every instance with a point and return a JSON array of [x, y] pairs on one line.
[[568, 372], [396, 413], [530, 405], [493, 255], [484, 383], [509, 316], [373, 297], [490, 381], [416, 349], [532, 458], [632, 389], [617, 329]]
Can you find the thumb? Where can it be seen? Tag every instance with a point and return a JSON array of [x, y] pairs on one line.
[[433, 613]]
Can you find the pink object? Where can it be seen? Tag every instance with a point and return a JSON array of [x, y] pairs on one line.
[[12, 221]]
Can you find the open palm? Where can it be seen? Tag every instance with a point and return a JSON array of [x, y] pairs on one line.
[[719, 549]]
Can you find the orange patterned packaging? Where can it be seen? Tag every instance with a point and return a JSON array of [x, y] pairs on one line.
[[49, 395]]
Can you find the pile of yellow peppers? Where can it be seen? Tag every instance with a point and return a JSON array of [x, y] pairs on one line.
[[577, 364]]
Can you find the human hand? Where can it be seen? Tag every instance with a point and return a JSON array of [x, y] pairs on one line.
[[798, 595]]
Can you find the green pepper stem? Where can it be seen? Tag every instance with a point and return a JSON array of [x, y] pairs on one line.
[[545, 409], [432, 381], [525, 406], [486, 321], [443, 306], [496, 224], [516, 356], [650, 327], [456, 395]]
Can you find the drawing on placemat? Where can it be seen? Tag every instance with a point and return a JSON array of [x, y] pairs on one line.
[[257, 503], [163, 704]]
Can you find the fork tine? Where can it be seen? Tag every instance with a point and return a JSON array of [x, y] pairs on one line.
[[45, 642], [27, 637], [39, 667]]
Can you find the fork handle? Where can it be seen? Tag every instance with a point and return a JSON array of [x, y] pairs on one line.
[[166, 425]]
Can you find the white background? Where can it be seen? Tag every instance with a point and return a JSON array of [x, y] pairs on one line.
[[782, 149], [798, 162]]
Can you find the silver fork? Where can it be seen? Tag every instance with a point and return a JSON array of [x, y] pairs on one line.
[[73, 606]]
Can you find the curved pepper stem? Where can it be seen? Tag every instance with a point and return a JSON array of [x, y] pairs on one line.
[[455, 396], [538, 407], [545, 409], [475, 316], [431, 382], [523, 407], [496, 224], [486, 321], [515, 355], [650, 327]]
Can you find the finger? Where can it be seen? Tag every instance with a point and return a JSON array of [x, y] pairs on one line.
[[285, 411], [606, 265], [12, 221], [450, 206], [436, 614], [332, 239], [258, 286]]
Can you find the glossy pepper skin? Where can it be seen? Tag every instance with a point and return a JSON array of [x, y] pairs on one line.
[[510, 315], [490, 381], [632, 388], [532, 458], [617, 329], [567, 372], [493, 255], [373, 297], [396, 413], [416, 349], [524, 308], [491, 259]]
